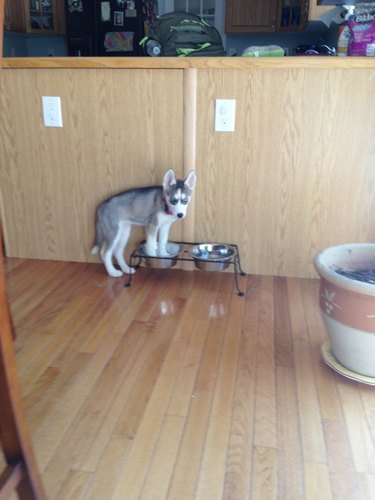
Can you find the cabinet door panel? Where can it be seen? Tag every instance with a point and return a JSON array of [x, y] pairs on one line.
[[251, 16], [293, 15], [14, 19], [35, 16]]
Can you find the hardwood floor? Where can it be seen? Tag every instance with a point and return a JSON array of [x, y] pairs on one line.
[[177, 388]]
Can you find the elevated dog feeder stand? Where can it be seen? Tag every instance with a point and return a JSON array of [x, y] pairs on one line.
[[137, 257]]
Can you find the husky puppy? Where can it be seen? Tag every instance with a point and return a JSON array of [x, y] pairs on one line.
[[155, 207]]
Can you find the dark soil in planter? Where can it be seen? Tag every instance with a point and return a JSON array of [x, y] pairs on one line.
[[364, 275]]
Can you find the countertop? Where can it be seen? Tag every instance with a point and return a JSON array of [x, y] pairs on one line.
[[192, 62]]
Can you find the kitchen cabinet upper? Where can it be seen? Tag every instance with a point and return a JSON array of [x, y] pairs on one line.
[[35, 16], [269, 16]]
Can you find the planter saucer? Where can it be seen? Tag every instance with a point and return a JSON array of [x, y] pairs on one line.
[[331, 361]]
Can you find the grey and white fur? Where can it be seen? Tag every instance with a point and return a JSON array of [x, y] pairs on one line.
[[155, 207]]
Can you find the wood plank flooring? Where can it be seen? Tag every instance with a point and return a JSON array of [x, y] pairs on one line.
[[177, 388]]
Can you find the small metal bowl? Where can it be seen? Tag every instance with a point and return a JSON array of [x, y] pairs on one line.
[[211, 256], [161, 262]]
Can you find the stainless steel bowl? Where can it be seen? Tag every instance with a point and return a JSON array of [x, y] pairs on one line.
[[211, 256], [161, 263]]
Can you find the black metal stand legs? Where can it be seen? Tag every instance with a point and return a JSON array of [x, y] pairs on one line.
[[137, 257]]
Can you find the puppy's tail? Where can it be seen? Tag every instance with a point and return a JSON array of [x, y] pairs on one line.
[[95, 249]]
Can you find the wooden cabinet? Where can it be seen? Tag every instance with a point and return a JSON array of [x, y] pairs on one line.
[[269, 16], [35, 16], [14, 16], [250, 16]]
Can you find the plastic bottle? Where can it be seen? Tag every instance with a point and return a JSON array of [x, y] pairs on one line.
[[153, 48], [343, 41], [263, 51]]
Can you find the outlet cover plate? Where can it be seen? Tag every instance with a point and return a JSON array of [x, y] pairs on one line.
[[225, 114], [52, 116]]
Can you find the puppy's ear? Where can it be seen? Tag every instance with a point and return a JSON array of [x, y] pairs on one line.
[[169, 179], [190, 180]]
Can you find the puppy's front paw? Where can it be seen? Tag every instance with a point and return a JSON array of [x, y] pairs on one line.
[[115, 273], [162, 252], [151, 250]]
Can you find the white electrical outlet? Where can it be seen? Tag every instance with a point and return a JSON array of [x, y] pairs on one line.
[[225, 113], [52, 116]]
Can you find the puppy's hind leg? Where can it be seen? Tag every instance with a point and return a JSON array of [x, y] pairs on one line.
[[121, 241], [106, 254], [107, 261]]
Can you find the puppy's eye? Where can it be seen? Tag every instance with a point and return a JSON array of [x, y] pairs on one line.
[[173, 201], [184, 201]]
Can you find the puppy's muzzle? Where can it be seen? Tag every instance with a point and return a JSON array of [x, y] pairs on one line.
[[180, 216]]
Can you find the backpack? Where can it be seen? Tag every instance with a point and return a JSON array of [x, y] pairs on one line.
[[184, 34]]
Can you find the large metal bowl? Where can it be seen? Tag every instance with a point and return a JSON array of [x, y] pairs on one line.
[[211, 256], [161, 262]]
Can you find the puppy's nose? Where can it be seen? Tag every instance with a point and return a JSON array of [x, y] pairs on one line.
[[180, 215]]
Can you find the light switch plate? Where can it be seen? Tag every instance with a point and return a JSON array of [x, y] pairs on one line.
[[52, 116], [225, 113]]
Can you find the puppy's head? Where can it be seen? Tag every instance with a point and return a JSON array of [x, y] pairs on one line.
[[177, 193]]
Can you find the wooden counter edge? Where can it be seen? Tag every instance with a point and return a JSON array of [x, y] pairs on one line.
[[193, 62]]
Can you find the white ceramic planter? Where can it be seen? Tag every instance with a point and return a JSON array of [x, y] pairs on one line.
[[348, 306]]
